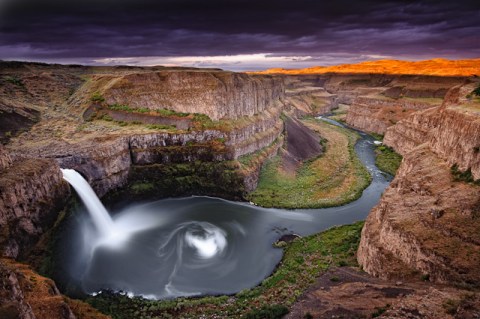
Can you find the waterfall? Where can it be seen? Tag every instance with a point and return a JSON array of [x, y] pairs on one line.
[[97, 211]]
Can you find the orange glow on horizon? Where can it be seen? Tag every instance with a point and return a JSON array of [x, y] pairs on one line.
[[439, 67]]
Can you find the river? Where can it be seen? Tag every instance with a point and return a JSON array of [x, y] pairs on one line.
[[197, 245]]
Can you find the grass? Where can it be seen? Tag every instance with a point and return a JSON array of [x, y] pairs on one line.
[[340, 113], [142, 187], [378, 137], [387, 159], [14, 80], [335, 178], [97, 97], [380, 311], [304, 260]]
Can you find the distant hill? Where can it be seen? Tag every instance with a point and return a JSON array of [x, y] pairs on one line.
[[441, 67]]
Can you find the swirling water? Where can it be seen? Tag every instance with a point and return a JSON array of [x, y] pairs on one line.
[[197, 245]]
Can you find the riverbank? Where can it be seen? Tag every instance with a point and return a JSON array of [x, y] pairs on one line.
[[332, 179], [304, 260]]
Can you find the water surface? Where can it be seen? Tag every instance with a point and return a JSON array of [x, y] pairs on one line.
[[198, 245]]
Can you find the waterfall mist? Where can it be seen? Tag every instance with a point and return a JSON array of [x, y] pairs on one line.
[[190, 246]]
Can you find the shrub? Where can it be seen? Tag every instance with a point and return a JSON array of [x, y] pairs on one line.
[[380, 311], [476, 91], [465, 176], [15, 81], [451, 306], [97, 97], [107, 117], [267, 312]]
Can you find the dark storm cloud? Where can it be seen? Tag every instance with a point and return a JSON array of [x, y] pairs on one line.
[[82, 30]]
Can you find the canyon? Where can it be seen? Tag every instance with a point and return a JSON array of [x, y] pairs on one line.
[[140, 132]]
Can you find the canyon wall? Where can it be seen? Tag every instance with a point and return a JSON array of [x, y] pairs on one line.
[[31, 194], [376, 101], [26, 295], [425, 225], [427, 220], [451, 131], [217, 94], [111, 156]]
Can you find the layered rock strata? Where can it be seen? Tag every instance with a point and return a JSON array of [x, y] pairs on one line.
[[377, 113], [453, 133], [26, 295], [216, 94], [425, 225], [31, 194], [427, 220]]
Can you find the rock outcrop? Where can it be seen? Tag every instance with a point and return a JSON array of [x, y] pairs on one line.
[[26, 295], [425, 224], [377, 113], [31, 194], [216, 94], [427, 220], [5, 160], [451, 131]]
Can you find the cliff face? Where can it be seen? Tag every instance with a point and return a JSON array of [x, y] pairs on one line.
[[216, 94], [111, 152], [377, 113], [451, 131], [31, 193], [26, 295], [425, 224], [396, 100], [376, 101], [427, 220], [5, 160]]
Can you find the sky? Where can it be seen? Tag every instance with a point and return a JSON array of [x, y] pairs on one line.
[[237, 35]]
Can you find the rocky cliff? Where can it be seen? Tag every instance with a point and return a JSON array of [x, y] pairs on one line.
[[217, 94], [425, 225], [427, 220], [386, 104], [31, 194], [376, 101], [26, 295], [451, 131]]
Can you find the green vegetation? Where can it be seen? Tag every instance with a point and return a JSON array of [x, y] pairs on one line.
[[387, 159], [160, 127], [378, 137], [335, 279], [15, 81], [451, 306], [267, 312], [340, 113], [335, 178], [97, 97], [178, 179], [126, 108], [380, 311], [142, 187], [425, 277], [305, 259], [167, 113], [161, 112], [465, 176], [476, 91]]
